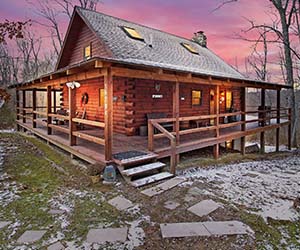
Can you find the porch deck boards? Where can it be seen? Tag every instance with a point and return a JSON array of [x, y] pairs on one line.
[[92, 152]]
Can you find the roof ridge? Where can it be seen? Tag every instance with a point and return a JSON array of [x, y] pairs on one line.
[[138, 24]]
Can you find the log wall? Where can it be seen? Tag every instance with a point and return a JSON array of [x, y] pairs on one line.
[[133, 101]]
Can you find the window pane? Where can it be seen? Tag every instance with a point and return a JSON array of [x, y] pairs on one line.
[[133, 33], [228, 99], [196, 97], [101, 98], [87, 52], [190, 48]]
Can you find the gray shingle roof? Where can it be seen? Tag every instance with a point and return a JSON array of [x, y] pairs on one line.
[[166, 50]]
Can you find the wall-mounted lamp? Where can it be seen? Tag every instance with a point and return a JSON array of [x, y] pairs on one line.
[[73, 85], [157, 86]]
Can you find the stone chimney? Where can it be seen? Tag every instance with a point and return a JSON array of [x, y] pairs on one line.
[[200, 38]]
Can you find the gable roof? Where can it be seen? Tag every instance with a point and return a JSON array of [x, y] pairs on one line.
[[158, 49]]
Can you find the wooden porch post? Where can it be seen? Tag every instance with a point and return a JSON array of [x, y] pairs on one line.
[[243, 118], [49, 105], [72, 111], [33, 108], [262, 134], [54, 101], [176, 115], [24, 105], [278, 120], [108, 114], [217, 112], [17, 107]]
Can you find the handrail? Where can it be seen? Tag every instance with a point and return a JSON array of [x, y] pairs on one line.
[[152, 124], [89, 122], [64, 117]]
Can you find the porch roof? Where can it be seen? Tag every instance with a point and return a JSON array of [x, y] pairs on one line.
[[90, 64]]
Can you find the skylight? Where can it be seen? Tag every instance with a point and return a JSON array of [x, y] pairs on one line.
[[131, 32], [190, 48]]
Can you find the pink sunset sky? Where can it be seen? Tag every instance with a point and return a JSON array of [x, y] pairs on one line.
[[182, 18]]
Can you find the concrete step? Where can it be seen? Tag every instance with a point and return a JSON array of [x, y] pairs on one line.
[[151, 179], [143, 169], [136, 160]]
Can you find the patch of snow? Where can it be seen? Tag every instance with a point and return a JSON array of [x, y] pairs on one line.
[[267, 187]]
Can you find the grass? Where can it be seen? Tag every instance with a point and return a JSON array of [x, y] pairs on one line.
[[270, 233], [33, 166]]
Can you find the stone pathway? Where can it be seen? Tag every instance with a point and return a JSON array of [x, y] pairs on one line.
[[120, 203], [210, 228], [31, 236], [107, 235], [4, 224], [56, 246], [204, 207], [160, 188], [171, 205]]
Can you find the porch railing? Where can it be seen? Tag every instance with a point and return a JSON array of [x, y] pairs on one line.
[[264, 119]]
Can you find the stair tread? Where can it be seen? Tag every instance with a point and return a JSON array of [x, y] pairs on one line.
[[151, 179], [143, 168], [136, 159]]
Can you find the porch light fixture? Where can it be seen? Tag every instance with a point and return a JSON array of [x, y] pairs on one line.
[[73, 85], [157, 86]]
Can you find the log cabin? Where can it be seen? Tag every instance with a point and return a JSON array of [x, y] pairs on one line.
[[129, 95]]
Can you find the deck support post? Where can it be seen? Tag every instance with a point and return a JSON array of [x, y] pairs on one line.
[[49, 105], [108, 114], [18, 107], [33, 108], [243, 118], [278, 121], [262, 134], [217, 112], [24, 105], [72, 111], [176, 127]]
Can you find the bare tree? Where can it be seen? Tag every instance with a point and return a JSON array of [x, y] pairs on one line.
[[287, 12]]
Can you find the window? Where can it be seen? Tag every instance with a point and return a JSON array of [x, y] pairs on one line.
[[196, 97], [87, 52], [229, 100], [190, 48], [101, 97], [131, 32]]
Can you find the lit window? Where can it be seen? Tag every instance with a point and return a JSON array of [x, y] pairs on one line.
[[132, 33], [190, 48], [87, 52], [101, 97], [228, 99], [196, 97]]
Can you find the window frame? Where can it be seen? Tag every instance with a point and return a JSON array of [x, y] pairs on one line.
[[190, 48], [200, 98], [136, 36], [84, 51]]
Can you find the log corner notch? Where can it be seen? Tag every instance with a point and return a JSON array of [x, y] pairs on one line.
[[108, 113]]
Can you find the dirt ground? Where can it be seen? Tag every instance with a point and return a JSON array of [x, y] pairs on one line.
[[35, 178]]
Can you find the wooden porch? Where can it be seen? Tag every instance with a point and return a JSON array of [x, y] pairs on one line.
[[90, 143], [98, 142]]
